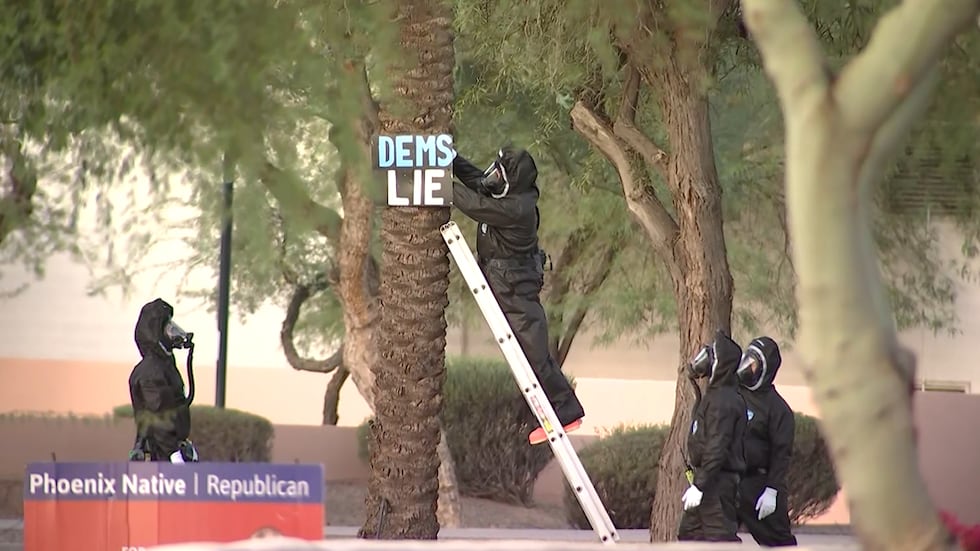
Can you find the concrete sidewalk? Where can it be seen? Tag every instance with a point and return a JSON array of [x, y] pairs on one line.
[[583, 536], [478, 538]]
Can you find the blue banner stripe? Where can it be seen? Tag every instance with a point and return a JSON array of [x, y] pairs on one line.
[[148, 481]]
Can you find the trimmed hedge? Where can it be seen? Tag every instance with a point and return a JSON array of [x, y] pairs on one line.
[[223, 434], [623, 467], [487, 422], [811, 478]]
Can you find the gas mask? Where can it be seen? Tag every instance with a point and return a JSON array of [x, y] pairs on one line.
[[703, 364], [495, 182], [752, 368], [174, 337]]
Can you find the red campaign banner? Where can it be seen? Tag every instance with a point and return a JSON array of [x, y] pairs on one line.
[[131, 506]]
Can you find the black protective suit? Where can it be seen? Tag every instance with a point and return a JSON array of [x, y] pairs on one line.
[[156, 388], [509, 255], [715, 450], [768, 448]]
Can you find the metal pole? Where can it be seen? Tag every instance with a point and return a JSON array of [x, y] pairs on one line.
[[224, 284]]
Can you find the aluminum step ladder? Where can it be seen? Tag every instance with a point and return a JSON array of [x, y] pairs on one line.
[[535, 396]]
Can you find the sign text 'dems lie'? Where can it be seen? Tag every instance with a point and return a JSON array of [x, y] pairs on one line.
[[417, 168]]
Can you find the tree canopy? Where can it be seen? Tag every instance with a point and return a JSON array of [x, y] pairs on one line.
[[93, 95], [560, 50]]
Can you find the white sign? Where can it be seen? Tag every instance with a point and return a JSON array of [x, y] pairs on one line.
[[418, 169]]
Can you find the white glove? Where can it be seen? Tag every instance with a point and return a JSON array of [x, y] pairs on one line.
[[692, 497], [766, 503], [176, 457]]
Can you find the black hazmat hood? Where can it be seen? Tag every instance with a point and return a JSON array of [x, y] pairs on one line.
[[522, 172], [773, 359], [728, 354], [149, 327]]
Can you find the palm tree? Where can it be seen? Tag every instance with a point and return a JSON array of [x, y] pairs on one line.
[[414, 283]]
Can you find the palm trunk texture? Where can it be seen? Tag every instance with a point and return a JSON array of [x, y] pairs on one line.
[[402, 501]]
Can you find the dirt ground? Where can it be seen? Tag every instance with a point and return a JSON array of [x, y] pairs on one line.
[[344, 506]]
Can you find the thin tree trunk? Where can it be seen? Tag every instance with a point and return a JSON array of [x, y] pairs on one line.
[[704, 293], [841, 133], [414, 283], [561, 283], [692, 247]]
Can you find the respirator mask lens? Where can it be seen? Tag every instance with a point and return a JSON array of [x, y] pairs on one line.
[[495, 182], [700, 366], [752, 368], [177, 337]]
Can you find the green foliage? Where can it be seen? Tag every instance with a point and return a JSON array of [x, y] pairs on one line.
[[99, 94], [487, 421], [16, 416], [172, 88], [581, 42], [579, 193], [223, 434], [812, 480], [623, 467]]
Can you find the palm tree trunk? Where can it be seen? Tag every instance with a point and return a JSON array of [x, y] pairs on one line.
[[414, 283]]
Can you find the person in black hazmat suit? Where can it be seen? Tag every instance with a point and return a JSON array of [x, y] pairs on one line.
[[763, 499], [156, 388], [503, 201], [715, 446]]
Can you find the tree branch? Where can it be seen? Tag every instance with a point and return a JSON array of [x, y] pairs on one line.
[[300, 294], [802, 80], [625, 125], [905, 44], [884, 146], [359, 275], [297, 205], [331, 396], [590, 286], [560, 282], [640, 198], [567, 336]]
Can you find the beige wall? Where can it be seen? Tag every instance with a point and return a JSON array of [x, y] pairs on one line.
[[948, 460], [286, 396], [56, 319]]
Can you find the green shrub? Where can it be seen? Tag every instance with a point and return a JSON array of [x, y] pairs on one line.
[[811, 480], [223, 434], [487, 421], [623, 467], [56, 417]]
